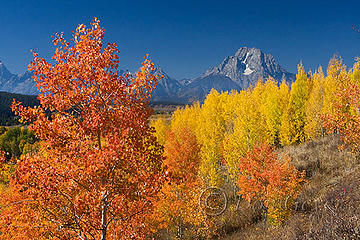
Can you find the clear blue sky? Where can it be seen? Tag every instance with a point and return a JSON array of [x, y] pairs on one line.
[[186, 37]]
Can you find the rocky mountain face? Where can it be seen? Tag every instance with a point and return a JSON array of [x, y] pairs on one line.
[[247, 66], [236, 72], [16, 83], [167, 88]]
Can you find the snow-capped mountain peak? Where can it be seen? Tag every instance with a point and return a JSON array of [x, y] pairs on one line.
[[235, 72]]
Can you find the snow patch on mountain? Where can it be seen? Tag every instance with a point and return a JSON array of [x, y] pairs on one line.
[[248, 71]]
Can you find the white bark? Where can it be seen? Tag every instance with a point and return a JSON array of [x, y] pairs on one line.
[[104, 218]]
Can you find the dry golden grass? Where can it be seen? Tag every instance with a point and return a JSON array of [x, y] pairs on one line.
[[327, 208], [329, 205]]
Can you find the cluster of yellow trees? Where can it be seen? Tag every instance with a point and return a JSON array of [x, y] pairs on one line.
[[229, 124]]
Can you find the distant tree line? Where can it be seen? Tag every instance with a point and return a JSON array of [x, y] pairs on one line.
[[16, 141], [7, 117]]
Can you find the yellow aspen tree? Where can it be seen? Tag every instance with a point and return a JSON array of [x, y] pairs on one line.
[[284, 131], [231, 102], [314, 105], [257, 122], [299, 94], [161, 127], [336, 73], [210, 133], [271, 110], [235, 143], [354, 73], [249, 127], [229, 106], [187, 116]]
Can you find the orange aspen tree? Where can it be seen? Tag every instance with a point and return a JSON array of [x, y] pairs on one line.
[[177, 209], [99, 166], [264, 177], [345, 115]]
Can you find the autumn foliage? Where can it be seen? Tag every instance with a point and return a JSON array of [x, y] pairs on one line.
[[103, 172], [238, 132], [99, 165], [264, 177], [177, 209], [345, 115]]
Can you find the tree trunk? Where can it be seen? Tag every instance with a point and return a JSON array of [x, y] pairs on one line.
[[104, 219]]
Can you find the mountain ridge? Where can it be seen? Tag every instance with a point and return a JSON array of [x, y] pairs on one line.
[[236, 72]]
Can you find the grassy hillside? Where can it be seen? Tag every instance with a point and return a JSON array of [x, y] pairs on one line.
[[328, 207]]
